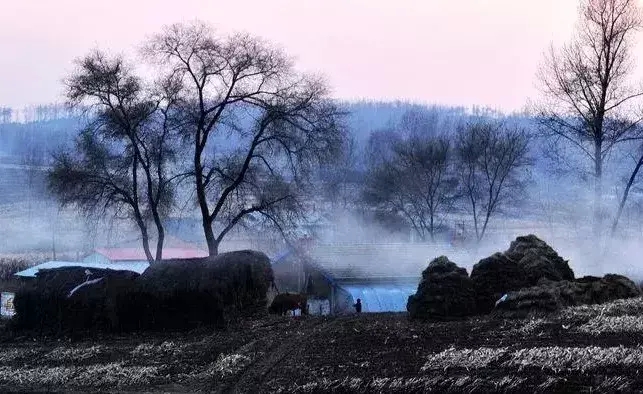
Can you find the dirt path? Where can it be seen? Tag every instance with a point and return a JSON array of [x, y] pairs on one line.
[[286, 340]]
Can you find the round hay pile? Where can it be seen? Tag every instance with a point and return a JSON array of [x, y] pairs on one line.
[[186, 292], [445, 292], [46, 304], [493, 277]]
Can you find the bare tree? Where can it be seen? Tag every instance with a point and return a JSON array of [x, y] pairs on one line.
[[379, 149], [5, 115], [417, 183], [628, 187], [588, 99], [419, 122], [492, 160], [120, 161], [255, 125]]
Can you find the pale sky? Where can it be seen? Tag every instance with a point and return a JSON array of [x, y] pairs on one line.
[[452, 52]]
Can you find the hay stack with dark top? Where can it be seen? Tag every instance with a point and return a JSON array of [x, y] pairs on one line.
[[186, 292], [445, 292], [172, 294], [46, 304]]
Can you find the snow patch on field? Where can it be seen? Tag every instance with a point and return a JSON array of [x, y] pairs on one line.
[[74, 354], [151, 350], [613, 324], [530, 327], [408, 384], [628, 306], [231, 364], [463, 358], [554, 358], [99, 375], [9, 355], [557, 358]]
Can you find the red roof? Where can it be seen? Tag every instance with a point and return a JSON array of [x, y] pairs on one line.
[[137, 254]]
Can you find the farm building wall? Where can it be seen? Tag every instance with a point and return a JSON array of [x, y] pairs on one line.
[[318, 306], [290, 276], [340, 288], [380, 297], [376, 294]]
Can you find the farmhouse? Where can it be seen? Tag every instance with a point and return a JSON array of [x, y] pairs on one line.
[[335, 275]]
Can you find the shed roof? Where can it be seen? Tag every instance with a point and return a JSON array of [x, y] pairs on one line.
[[373, 260], [137, 254], [135, 266]]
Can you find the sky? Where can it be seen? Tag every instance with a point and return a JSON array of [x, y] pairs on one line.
[[451, 52]]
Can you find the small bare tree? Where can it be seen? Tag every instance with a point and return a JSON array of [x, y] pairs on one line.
[[417, 182], [492, 162], [5, 115], [255, 125], [628, 187], [120, 161], [588, 99]]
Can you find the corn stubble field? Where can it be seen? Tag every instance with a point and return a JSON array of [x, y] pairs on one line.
[[582, 349]]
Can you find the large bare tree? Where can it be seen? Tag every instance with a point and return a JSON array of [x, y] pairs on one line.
[[493, 160], [120, 162], [255, 125], [589, 101]]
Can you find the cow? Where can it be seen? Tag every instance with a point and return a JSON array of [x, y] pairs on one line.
[[285, 302]]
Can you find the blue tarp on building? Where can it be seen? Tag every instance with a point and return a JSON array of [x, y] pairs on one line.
[[381, 297]]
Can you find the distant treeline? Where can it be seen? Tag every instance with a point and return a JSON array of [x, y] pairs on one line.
[[30, 135], [50, 127], [38, 113]]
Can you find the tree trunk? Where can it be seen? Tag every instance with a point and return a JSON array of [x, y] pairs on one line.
[[432, 227], [598, 187], [157, 219], [137, 213], [145, 238], [211, 240], [630, 182], [475, 217], [484, 225], [213, 245], [159, 243]]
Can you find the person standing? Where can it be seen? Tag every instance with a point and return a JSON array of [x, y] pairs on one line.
[[358, 306]]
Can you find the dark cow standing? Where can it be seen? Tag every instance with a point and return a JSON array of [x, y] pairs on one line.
[[285, 302]]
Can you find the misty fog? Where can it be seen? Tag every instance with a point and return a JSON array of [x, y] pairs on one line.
[[556, 206]]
